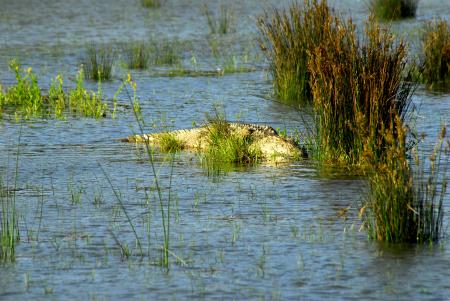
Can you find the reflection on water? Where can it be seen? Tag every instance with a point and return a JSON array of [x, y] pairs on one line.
[[289, 231]]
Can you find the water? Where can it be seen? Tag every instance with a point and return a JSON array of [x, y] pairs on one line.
[[261, 232]]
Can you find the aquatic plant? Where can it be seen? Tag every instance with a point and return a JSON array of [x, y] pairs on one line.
[[221, 23], [136, 55], [98, 63], [9, 218], [359, 88], [286, 37], [152, 3], [84, 102], [393, 9], [169, 143], [25, 96], [25, 99], [436, 53], [405, 200], [164, 204], [165, 52]]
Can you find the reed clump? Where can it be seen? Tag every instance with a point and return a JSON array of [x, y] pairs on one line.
[[99, 62], [165, 52], [152, 3], [286, 39], [221, 23], [393, 9], [405, 201], [9, 227], [137, 55], [359, 88], [436, 53]]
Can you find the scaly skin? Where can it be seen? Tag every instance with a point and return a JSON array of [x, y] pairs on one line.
[[264, 139]]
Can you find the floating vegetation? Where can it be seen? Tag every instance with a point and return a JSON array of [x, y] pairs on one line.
[[359, 89], [405, 202], [286, 38], [25, 99], [221, 23], [98, 63], [436, 53], [137, 55], [393, 9]]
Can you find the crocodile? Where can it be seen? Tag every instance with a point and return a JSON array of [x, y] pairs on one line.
[[264, 139]]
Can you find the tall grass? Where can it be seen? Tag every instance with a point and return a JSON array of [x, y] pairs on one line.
[[393, 9], [405, 202], [286, 38], [436, 53], [221, 23], [98, 63], [358, 88]]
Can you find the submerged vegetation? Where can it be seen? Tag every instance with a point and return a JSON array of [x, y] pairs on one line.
[[26, 100], [436, 53], [287, 37], [393, 9], [99, 61]]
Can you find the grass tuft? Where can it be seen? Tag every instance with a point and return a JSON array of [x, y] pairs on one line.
[[227, 146], [286, 38], [393, 9], [436, 53], [98, 62], [169, 143]]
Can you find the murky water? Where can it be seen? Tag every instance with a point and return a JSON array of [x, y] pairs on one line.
[[260, 232]]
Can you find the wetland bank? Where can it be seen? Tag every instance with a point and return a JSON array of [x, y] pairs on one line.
[[95, 223]]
